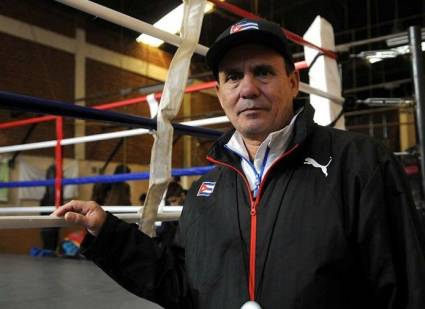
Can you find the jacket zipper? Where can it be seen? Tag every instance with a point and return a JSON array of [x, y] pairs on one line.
[[254, 202]]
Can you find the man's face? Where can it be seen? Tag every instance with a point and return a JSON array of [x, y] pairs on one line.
[[255, 91], [175, 200]]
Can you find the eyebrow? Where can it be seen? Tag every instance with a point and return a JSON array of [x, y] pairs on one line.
[[253, 69], [264, 67], [229, 70]]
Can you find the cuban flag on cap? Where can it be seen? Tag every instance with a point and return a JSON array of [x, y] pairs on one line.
[[206, 189], [243, 25]]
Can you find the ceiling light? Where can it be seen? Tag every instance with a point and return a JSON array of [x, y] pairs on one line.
[[171, 23], [374, 56], [405, 49], [402, 39]]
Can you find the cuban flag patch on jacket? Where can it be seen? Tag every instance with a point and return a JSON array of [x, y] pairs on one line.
[[206, 189]]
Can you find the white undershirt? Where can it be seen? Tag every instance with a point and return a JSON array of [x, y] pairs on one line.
[[276, 142]]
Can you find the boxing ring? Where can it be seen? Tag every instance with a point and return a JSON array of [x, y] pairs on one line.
[[102, 112], [83, 276]]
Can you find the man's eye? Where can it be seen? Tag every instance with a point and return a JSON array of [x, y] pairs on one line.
[[263, 72], [233, 76]]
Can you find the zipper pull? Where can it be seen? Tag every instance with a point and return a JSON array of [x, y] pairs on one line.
[[254, 208]]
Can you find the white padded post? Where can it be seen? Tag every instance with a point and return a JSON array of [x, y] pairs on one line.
[[324, 74]]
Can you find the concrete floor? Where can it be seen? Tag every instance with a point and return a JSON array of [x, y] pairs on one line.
[[52, 283]]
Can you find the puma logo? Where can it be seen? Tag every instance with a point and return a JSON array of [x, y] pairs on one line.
[[324, 168]]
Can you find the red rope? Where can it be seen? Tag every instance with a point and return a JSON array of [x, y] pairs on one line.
[[301, 65], [24, 122], [58, 161], [290, 35]]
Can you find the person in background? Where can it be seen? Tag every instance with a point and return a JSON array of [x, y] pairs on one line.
[[99, 192], [175, 196], [113, 194], [142, 199]]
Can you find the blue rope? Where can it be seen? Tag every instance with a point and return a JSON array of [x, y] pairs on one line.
[[37, 105], [194, 171]]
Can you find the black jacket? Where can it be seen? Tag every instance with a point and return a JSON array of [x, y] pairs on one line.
[[345, 235]]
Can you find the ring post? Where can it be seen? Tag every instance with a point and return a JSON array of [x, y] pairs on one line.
[[419, 84], [58, 161]]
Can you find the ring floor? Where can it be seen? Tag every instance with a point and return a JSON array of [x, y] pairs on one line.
[[51, 283]]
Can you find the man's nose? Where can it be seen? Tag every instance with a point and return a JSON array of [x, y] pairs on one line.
[[248, 87]]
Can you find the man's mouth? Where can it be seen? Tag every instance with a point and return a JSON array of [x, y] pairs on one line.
[[251, 109]]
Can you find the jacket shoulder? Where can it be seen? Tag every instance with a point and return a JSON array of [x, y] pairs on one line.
[[357, 151]]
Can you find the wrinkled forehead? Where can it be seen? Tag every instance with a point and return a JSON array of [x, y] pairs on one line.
[[245, 56]]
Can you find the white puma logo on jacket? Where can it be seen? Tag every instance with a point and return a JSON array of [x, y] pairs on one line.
[[324, 168]]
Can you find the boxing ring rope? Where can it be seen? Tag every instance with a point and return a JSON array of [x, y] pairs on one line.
[[10, 219], [290, 35], [33, 104], [124, 20], [27, 222], [113, 209], [191, 171], [107, 106], [106, 136], [128, 22], [122, 103], [139, 26]]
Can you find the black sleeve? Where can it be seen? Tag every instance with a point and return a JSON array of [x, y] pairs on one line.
[[391, 240], [136, 262]]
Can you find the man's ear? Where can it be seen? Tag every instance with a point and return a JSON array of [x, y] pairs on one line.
[[217, 91], [294, 79]]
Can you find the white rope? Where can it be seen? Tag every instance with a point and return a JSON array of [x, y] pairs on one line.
[[28, 222], [112, 209], [306, 88], [128, 22], [106, 136]]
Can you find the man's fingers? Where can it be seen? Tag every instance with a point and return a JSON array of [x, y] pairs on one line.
[[75, 206], [87, 214], [76, 218]]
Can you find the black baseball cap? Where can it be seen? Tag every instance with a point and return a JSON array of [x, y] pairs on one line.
[[249, 31]]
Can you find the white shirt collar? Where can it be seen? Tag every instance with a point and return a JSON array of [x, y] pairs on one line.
[[276, 141]]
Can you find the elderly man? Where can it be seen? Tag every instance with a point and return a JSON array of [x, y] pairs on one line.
[[294, 215]]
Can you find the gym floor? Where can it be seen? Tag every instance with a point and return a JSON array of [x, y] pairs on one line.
[[45, 282]]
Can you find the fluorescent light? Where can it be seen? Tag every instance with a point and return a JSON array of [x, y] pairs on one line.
[[374, 59], [405, 49], [374, 56], [402, 39], [171, 22]]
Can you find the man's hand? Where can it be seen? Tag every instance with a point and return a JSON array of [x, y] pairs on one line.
[[87, 214]]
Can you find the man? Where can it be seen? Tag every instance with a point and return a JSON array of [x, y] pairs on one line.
[[294, 215], [175, 195]]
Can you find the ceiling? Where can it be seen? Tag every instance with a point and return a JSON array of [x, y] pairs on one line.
[[352, 21]]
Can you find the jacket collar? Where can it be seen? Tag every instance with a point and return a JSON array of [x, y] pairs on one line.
[[302, 129]]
